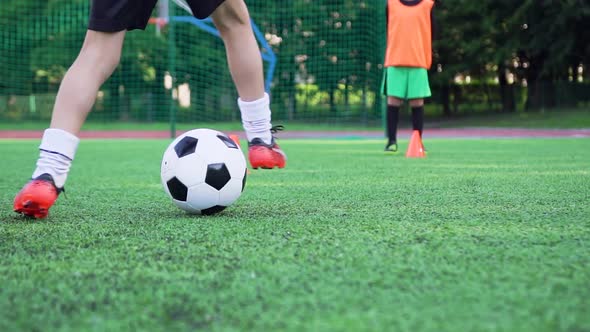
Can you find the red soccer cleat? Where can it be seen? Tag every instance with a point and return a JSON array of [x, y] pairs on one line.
[[36, 197], [264, 155]]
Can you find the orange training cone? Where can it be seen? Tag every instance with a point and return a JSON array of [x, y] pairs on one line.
[[235, 138], [416, 149]]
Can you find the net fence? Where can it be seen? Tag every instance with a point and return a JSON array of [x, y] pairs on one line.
[[322, 62]]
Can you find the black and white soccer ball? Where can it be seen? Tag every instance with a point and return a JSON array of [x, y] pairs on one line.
[[203, 171]]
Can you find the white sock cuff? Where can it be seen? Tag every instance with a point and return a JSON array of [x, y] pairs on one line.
[[255, 110], [60, 141]]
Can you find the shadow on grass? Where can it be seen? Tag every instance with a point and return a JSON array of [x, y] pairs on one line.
[[15, 218]]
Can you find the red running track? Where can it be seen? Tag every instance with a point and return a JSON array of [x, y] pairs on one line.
[[433, 133]]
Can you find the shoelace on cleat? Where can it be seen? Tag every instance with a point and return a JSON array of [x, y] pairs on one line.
[[276, 129], [273, 130]]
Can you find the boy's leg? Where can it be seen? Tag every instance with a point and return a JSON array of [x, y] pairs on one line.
[[78, 90], [74, 101], [97, 60], [245, 63], [243, 54]]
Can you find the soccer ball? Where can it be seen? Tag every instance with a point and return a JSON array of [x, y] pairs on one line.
[[203, 171]]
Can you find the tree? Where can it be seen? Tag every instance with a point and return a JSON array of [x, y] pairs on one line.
[[549, 39]]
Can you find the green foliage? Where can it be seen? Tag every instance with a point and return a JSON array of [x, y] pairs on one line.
[[493, 31], [536, 44]]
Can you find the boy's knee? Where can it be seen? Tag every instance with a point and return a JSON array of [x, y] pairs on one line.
[[416, 102], [103, 50], [393, 101], [231, 15], [103, 60]]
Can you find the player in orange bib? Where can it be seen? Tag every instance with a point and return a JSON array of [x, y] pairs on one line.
[[407, 60]]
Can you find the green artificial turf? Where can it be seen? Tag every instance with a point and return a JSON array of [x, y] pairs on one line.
[[482, 235]]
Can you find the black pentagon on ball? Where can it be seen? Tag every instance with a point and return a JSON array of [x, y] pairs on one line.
[[228, 141], [177, 189], [217, 176], [186, 146], [213, 210], [244, 179]]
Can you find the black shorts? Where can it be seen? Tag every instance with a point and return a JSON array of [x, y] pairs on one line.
[[119, 15]]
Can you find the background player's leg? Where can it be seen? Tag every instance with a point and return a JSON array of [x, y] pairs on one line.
[[396, 89], [392, 118], [419, 88], [417, 106]]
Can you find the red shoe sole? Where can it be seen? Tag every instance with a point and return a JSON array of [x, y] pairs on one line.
[[267, 166], [32, 210]]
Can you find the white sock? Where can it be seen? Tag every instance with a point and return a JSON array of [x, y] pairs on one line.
[[256, 118], [57, 150]]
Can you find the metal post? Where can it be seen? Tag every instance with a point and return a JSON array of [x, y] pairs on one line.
[[162, 14], [172, 69]]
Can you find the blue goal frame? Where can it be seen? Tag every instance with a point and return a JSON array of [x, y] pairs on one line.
[[267, 54]]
